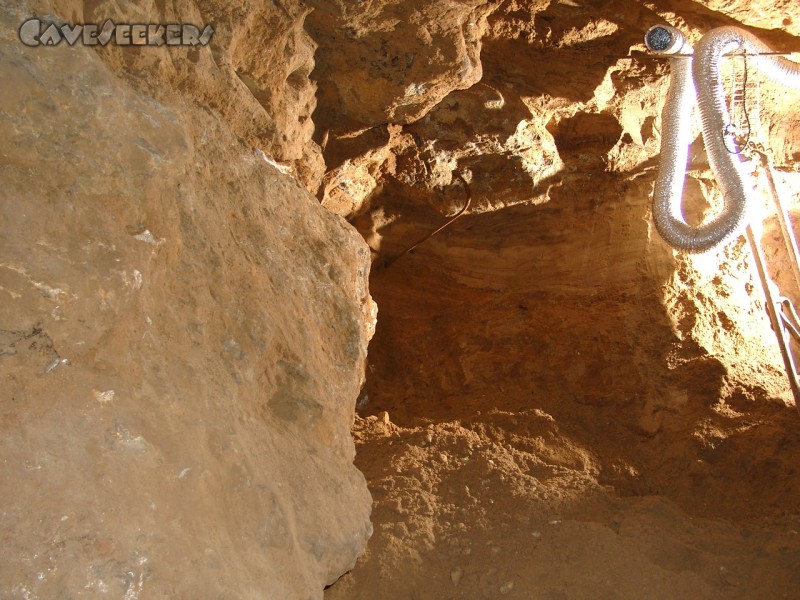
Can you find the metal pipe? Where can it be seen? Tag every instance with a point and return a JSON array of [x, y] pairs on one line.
[[775, 319], [789, 239]]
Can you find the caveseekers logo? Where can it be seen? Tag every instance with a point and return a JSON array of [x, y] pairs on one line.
[[34, 32]]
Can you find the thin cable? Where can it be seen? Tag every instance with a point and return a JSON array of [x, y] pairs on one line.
[[468, 193]]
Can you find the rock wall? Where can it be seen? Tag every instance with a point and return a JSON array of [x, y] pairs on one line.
[[183, 329], [253, 75], [182, 332], [566, 115], [548, 352]]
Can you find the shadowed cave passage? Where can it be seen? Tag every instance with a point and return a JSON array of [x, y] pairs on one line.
[[560, 308], [539, 419]]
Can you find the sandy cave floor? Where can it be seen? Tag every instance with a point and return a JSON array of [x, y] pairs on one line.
[[511, 450], [462, 516]]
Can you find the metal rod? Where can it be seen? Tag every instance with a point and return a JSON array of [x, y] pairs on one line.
[[737, 53], [791, 318], [775, 319], [457, 174], [788, 322], [789, 239]]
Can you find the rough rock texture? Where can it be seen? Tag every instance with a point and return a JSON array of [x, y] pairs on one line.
[[566, 89], [393, 60], [557, 404], [253, 75], [182, 338], [554, 425]]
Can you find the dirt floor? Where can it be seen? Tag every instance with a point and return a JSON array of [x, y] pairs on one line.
[[533, 427]]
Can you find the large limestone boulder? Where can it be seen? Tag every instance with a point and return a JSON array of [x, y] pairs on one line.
[[183, 332]]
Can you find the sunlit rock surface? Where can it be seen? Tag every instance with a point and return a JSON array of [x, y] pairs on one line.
[[253, 75], [182, 339]]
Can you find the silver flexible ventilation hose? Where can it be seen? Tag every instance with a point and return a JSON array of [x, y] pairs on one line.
[[727, 166], [676, 131]]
